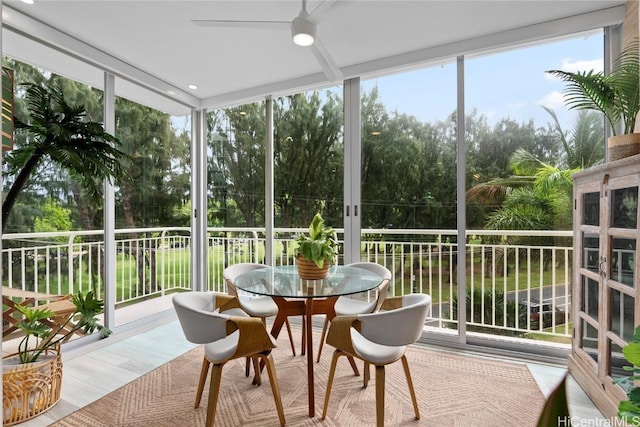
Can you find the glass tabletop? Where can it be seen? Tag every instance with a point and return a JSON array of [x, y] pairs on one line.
[[284, 281]]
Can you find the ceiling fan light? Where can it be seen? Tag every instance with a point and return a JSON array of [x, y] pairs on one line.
[[303, 31]]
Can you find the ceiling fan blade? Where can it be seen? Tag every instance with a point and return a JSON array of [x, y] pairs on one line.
[[329, 66], [322, 8], [261, 25]]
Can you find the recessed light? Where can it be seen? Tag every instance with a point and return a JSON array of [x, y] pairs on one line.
[[192, 86]]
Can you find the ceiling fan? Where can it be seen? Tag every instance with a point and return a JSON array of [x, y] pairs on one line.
[[303, 32]]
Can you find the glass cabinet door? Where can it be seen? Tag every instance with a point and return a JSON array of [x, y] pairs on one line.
[[622, 277], [590, 262]]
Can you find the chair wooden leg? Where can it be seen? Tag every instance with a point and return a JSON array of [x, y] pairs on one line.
[[203, 378], [366, 374], [257, 379], [293, 348], [353, 366], [412, 392], [380, 378], [304, 335], [214, 389], [271, 370], [323, 336], [332, 371], [247, 368]]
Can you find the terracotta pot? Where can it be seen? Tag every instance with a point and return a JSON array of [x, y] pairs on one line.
[[308, 270], [30, 389], [621, 146]]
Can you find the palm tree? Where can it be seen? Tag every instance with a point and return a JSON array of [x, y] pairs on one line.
[[538, 195], [585, 148], [59, 132]]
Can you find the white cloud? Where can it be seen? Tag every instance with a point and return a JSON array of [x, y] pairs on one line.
[[553, 100], [574, 66]]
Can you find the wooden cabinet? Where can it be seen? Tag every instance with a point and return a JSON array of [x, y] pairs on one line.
[[605, 307]]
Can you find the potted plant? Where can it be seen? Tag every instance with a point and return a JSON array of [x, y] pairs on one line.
[[32, 377], [316, 251], [616, 95]]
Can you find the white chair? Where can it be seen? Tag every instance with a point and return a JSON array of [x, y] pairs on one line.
[[346, 306], [255, 306], [379, 339], [225, 338]]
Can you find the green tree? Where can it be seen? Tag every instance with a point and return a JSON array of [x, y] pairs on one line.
[[308, 158], [53, 218], [236, 171], [159, 167]]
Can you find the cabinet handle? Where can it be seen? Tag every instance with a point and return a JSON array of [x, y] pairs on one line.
[[602, 266]]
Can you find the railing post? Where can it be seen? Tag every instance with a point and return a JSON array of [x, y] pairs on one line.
[[70, 262]]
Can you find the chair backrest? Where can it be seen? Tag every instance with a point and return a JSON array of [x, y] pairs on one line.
[[198, 319], [233, 271], [382, 327], [382, 271]]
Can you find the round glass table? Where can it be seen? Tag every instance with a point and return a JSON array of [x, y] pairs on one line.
[[295, 296]]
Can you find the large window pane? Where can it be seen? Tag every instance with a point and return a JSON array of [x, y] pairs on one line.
[[236, 187], [151, 259], [409, 182], [519, 138]]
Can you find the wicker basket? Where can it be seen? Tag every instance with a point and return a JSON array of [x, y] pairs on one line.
[[308, 270], [30, 389], [621, 146]]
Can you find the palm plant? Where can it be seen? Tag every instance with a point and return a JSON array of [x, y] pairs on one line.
[[616, 95], [60, 132]]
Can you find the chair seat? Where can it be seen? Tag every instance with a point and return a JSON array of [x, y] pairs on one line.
[[376, 354], [259, 306], [349, 306], [222, 349]]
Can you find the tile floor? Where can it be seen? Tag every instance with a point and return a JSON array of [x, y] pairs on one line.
[[108, 364]]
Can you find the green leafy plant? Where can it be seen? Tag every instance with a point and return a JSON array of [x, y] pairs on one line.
[[320, 245], [629, 410], [39, 336], [616, 95]]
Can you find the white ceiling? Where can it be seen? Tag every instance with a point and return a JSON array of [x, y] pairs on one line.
[[156, 44]]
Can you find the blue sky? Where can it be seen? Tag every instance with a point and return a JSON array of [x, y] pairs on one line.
[[512, 83]]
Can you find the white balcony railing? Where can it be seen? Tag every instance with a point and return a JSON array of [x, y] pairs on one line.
[[512, 287]]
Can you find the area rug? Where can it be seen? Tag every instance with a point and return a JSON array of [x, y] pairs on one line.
[[452, 390]]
